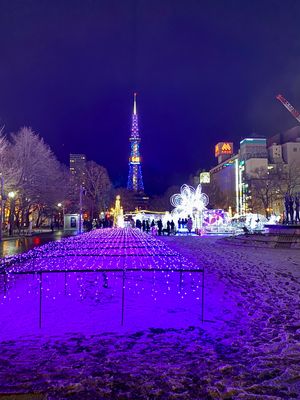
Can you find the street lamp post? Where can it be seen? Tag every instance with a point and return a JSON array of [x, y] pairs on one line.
[[80, 208], [61, 205], [11, 195]]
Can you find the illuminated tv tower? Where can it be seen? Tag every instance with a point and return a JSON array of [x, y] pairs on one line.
[[135, 178]]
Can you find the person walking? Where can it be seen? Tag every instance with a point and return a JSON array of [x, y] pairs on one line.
[[189, 224], [291, 208], [147, 226], [297, 200], [159, 226], [287, 207], [168, 228], [172, 227]]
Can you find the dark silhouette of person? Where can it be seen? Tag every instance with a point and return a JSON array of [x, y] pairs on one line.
[[287, 206], [144, 225], [297, 201], [159, 226], [89, 225], [179, 223], [168, 228], [291, 208], [106, 221], [189, 224], [172, 227], [147, 226], [138, 224], [152, 223]]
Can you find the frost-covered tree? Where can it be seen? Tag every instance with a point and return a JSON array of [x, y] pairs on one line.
[[38, 179], [8, 171]]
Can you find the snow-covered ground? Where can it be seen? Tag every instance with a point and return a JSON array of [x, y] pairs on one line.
[[247, 348]]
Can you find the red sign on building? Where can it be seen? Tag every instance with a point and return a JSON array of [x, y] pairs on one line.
[[223, 148]]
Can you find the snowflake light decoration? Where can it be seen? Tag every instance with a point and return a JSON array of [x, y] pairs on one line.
[[189, 202]]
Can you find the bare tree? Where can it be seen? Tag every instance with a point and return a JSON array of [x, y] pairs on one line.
[[98, 189], [288, 176], [266, 190]]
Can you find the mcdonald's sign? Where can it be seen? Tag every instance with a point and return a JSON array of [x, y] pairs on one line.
[[223, 148]]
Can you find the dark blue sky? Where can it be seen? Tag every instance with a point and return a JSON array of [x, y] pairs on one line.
[[205, 71]]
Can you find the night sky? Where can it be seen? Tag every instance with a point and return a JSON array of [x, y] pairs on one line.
[[205, 71]]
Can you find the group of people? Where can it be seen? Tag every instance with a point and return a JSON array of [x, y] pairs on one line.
[[185, 223], [144, 226], [89, 225], [291, 205], [157, 227]]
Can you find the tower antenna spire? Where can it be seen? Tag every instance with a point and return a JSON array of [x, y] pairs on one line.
[[134, 103], [135, 178]]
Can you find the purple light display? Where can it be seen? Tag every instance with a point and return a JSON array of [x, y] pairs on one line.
[[134, 274]]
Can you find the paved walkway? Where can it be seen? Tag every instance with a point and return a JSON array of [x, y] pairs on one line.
[[11, 245]]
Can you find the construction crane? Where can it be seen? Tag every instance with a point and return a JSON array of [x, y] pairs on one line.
[[289, 107]]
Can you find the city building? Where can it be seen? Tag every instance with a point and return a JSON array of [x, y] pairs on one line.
[[289, 143], [256, 177], [77, 163], [225, 178], [224, 184], [253, 151]]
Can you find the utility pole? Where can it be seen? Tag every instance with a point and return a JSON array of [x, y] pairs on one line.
[[80, 208], [11, 196]]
